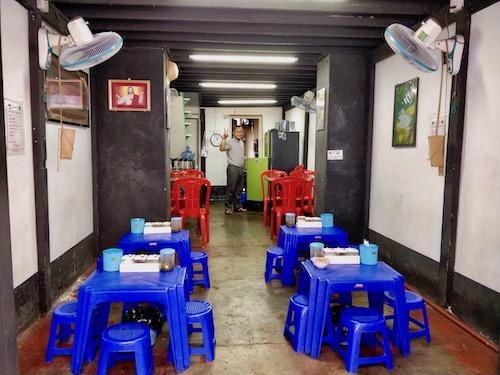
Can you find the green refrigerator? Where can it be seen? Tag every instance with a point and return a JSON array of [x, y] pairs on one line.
[[255, 167]]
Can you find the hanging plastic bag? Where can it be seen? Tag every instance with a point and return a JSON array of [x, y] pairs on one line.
[[204, 150]]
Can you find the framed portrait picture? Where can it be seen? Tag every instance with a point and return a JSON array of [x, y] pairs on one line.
[[404, 124], [320, 108], [129, 95], [67, 95], [64, 93]]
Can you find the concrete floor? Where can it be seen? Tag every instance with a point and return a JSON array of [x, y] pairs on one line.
[[249, 318]]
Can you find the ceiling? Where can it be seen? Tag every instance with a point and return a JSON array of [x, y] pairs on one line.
[[305, 29]]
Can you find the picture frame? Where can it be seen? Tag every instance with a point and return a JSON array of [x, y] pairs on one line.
[[404, 123], [64, 93], [129, 95], [67, 96]]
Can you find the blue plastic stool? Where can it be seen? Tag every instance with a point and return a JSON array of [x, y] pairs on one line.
[[200, 313], [358, 321], [296, 319], [274, 261], [413, 302], [201, 258], [64, 319], [126, 338]]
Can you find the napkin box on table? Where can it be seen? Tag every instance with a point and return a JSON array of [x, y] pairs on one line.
[[157, 227], [140, 263], [341, 255], [308, 222]]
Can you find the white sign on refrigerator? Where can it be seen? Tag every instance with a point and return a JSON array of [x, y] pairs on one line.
[[14, 132]]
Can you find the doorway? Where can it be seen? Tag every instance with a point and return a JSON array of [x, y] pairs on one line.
[[251, 133]]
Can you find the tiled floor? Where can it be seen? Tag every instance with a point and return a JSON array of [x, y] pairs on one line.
[[249, 317]]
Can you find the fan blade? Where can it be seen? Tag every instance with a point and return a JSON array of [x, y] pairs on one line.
[[401, 40]]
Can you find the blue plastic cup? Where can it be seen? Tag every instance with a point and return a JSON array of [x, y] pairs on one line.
[[167, 259], [176, 223], [368, 254], [111, 259], [316, 249], [290, 219], [137, 225], [327, 220]]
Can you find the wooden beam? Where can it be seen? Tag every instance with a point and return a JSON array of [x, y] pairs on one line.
[[54, 17], [8, 345], [235, 47], [194, 37], [359, 7], [453, 166], [232, 15], [238, 29], [369, 150], [39, 168]]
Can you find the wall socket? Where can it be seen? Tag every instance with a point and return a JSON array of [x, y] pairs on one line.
[[335, 155]]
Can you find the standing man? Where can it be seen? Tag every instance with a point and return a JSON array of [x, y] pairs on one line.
[[235, 150]]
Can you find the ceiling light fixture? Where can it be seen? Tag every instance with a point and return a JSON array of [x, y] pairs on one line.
[[247, 101], [246, 59], [238, 85]]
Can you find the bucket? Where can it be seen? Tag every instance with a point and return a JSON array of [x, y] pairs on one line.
[[112, 259], [137, 225], [327, 220], [368, 254], [316, 249]]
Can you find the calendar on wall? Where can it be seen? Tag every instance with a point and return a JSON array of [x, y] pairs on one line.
[[14, 127]]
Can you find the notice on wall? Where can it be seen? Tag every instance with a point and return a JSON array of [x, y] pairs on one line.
[[14, 127]]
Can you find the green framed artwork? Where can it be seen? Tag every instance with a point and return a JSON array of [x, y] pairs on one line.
[[404, 124]]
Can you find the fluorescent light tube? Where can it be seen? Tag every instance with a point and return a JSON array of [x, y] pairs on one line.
[[238, 85], [248, 59], [247, 101]]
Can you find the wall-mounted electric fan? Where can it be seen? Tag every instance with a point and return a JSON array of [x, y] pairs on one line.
[[307, 103], [421, 49], [82, 49]]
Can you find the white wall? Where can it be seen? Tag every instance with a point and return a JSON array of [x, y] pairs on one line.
[[217, 118], [299, 117], [177, 127], [478, 232], [406, 200], [311, 146], [16, 86], [70, 191]]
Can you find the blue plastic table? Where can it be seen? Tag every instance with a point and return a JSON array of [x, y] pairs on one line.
[[153, 243], [293, 239], [321, 284], [163, 288]]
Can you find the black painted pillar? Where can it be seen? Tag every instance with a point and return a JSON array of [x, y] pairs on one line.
[[341, 183], [131, 147], [8, 345]]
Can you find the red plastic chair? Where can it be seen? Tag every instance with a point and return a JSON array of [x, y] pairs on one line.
[[308, 202], [271, 173], [194, 173], [297, 171], [287, 194], [189, 190]]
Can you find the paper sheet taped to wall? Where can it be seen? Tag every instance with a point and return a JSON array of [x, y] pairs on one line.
[[14, 132]]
